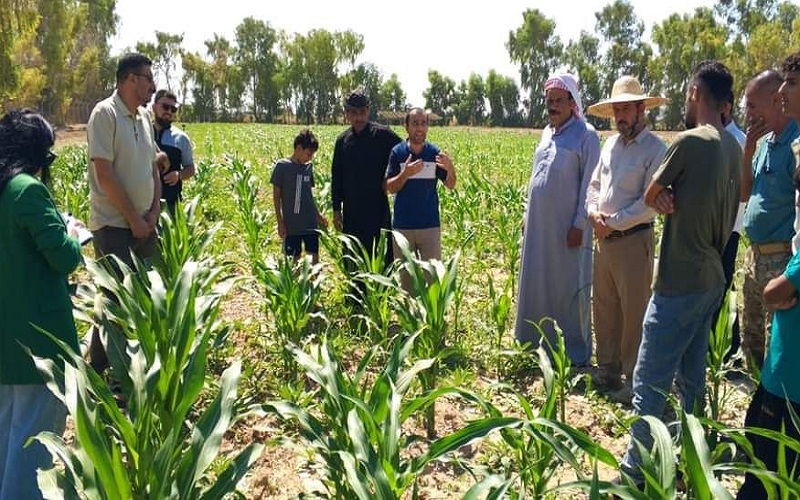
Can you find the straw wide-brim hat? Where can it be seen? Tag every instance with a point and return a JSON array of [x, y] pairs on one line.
[[625, 89]]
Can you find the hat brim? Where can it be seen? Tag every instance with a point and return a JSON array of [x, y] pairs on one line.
[[605, 108]]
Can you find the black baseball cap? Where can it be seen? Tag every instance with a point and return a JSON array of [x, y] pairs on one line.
[[356, 100]]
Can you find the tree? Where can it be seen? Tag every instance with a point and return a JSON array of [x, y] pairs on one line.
[[536, 48], [368, 77], [18, 18], [198, 72], [470, 108], [255, 55], [392, 95], [220, 51], [440, 94], [502, 95], [582, 58], [683, 42], [626, 53]]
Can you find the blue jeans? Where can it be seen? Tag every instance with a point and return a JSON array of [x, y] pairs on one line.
[[674, 344], [25, 411]]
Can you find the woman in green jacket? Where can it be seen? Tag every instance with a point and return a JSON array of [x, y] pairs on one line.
[[36, 255]]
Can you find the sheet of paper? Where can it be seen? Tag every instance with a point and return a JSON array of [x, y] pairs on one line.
[[427, 172]]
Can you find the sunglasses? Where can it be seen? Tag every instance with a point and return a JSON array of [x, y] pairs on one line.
[[168, 107], [146, 76]]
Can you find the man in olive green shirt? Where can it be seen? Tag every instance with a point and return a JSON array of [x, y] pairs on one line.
[[697, 188]]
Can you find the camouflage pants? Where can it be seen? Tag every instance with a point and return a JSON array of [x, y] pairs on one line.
[[756, 318]]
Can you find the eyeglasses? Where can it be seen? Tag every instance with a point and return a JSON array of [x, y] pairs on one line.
[[169, 107], [144, 75], [49, 158]]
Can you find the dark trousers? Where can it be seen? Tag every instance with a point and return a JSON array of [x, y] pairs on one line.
[[768, 411], [119, 242], [728, 267]]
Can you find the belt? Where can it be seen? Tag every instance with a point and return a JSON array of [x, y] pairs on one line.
[[772, 248], [630, 230]]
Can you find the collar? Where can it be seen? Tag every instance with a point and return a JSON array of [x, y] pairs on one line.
[[119, 103], [367, 128], [572, 119], [787, 135]]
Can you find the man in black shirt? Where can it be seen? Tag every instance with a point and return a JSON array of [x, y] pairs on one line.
[[360, 156]]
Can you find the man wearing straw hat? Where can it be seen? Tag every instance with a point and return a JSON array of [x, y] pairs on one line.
[[556, 270], [623, 227]]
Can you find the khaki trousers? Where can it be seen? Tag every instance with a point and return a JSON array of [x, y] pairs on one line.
[[425, 243], [622, 277]]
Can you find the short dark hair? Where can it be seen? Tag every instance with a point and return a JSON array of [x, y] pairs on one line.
[[791, 63], [357, 99], [414, 111], [25, 142], [131, 63], [161, 93], [306, 140], [715, 79]]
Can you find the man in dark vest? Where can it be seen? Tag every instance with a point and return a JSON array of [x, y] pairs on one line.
[[175, 143]]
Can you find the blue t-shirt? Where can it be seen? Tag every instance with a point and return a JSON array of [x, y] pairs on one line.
[[416, 206], [779, 375], [770, 212]]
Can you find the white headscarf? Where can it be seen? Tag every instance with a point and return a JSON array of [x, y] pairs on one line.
[[568, 82]]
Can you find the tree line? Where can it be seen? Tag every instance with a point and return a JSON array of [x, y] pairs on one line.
[[57, 53]]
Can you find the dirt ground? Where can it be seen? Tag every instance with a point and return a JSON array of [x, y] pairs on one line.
[[71, 135]]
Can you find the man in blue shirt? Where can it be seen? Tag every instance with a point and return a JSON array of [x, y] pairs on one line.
[[780, 387], [768, 190], [415, 167]]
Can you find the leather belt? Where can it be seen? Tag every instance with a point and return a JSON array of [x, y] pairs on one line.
[[772, 248], [630, 230]]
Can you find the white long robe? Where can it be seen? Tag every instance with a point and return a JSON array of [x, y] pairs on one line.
[[555, 281]]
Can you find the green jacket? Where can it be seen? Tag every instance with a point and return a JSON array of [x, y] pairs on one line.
[[36, 255]]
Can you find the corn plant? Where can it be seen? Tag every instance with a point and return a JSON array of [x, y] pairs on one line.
[[69, 185], [500, 309], [200, 186], [424, 311], [371, 285], [719, 343], [357, 430], [254, 220], [533, 453], [292, 293], [158, 337]]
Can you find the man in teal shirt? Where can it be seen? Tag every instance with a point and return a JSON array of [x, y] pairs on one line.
[[769, 218]]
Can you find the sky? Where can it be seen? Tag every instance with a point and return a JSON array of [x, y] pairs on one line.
[[406, 38]]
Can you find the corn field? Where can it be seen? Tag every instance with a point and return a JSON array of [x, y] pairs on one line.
[[248, 375]]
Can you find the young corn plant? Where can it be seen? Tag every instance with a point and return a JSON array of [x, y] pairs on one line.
[[533, 454], [371, 285], [69, 187], [500, 309], [292, 292], [357, 429], [424, 311], [158, 334], [254, 220], [719, 343]]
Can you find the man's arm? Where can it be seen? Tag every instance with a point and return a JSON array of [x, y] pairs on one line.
[[337, 184], [109, 182], [276, 203], [780, 293]]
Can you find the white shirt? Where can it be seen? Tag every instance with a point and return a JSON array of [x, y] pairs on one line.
[[621, 178], [737, 133]]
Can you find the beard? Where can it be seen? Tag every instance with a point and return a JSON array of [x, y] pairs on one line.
[[162, 123]]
